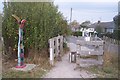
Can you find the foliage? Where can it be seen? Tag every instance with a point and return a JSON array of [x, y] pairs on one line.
[[74, 23], [44, 21], [64, 45], [110, 35], [85, 24], [78, 33], [116, 20], [109, 68], [0, 24], [99, 30]]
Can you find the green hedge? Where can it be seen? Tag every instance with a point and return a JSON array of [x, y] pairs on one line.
[[78, 33], [44, 21]]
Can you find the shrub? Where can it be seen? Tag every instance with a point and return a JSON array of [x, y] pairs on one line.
[[78, 33], [44, 21]]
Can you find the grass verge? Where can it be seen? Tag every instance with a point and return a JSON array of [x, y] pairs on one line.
[[109, 68], [41, 60]]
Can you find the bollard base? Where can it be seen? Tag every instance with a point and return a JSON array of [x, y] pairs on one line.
[[26, 67], [21, 66]]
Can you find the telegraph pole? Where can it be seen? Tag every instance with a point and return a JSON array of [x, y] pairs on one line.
[[70, 15]]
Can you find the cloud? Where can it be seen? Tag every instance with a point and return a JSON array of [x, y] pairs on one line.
[[86, 0], [81, 16], [93, 11], [86, 6]]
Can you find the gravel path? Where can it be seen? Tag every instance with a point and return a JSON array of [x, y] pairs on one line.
[[65, 69]]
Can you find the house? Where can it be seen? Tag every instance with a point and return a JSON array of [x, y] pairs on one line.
[[88, 32], [75, 28], [107, 27]]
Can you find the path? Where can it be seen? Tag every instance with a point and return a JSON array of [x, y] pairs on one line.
[[65, 69]]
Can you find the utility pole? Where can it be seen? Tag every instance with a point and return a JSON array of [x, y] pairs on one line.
[[70, 15]]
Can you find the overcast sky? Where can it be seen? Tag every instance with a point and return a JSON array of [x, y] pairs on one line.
[[1, 5], [83, 10], [92, 10]]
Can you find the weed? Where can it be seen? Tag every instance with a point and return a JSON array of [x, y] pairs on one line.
[[40, 59], [109, 68]]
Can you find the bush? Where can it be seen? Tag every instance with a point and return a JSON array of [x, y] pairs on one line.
[[44, 21], [78, 33]]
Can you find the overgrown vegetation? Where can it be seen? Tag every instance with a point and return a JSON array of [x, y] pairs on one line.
[[109, 68], [77, 33], [44, 21], [117, 27], [39, 71]]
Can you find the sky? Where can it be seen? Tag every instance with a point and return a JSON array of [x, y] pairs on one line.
[[82, 10], [92, 10], [1, 5]]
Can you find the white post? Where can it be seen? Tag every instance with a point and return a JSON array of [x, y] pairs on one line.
[[51, 56], [90, 34], [83, 33], [51, 43]]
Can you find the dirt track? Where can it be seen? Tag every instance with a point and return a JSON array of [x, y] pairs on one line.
[[65, 69]]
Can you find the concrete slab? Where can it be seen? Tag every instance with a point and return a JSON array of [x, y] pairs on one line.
[[28, 67]]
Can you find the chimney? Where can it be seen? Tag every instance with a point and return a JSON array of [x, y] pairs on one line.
[[99, 22]]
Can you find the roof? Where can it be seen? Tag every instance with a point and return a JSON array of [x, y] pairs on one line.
[[103, 24], [76, 27]]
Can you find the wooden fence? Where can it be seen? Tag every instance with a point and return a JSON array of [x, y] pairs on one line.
[[55, 47], [89, 48], [113, 41]]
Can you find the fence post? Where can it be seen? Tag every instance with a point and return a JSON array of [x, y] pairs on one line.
[[51, 43], [114, 41], [61, 44], [56, 46]]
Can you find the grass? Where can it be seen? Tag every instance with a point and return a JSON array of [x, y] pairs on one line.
[[36, 73], [109, 68], [91, 56], [42, 62]]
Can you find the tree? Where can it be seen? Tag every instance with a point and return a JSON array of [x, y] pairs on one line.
[[116, 33], [85, 24], [0, 24], [44, 21], [74, 23], [99, 29]]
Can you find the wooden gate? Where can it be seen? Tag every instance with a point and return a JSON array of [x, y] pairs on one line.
[[55, 48], [85, 49]]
